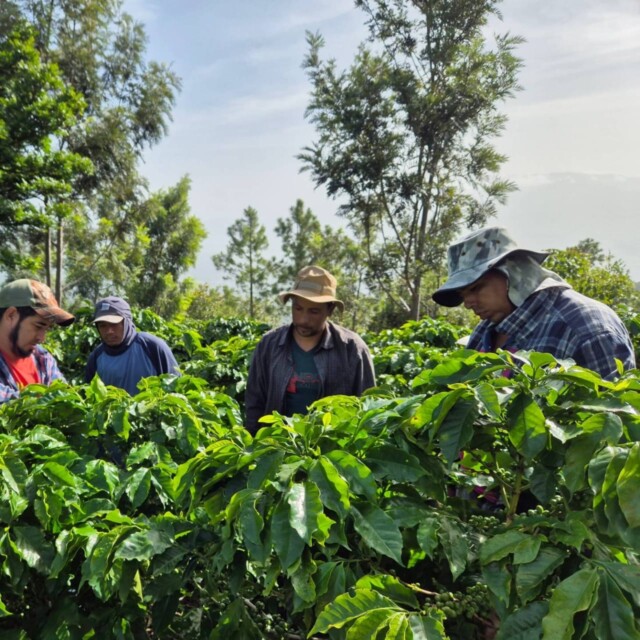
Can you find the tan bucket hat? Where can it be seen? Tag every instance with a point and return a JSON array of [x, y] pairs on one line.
[[314, 284]]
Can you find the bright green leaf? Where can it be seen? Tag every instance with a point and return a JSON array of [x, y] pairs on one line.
[[348, 607], [628, 487], [526, 425]]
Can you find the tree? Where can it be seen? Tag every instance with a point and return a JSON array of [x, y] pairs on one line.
[[147, 269], [243, 260], [297, 233], [593, 273], [404, 135], [205, 302], [100, 51], [169, 245], [305, 241], [36, 176]]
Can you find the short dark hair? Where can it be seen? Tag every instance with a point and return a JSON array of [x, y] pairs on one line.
[[24, 312]]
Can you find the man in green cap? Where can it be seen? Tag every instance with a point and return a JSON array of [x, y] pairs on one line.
[[28, 309]]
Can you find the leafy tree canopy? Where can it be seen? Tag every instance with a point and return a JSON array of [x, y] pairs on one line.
[[37, 176], [404, 135], [100, 53], [595, 274]]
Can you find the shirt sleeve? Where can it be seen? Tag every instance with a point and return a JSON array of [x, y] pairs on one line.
[[7, 392], [48, 370], [600, 350], [160, 354], [365, 373], [255, 396]]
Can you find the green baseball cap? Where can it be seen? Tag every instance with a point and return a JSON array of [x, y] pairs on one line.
[[38, 296]]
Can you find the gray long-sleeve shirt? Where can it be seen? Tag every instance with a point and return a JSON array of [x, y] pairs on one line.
[[342, 358]]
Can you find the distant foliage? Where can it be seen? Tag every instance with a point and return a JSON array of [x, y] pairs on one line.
[[401, 354], [595, 274]]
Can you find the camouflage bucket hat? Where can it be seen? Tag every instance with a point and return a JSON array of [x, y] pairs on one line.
[[472, 256]]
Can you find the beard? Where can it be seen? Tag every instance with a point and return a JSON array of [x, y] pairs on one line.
[[13, 337]]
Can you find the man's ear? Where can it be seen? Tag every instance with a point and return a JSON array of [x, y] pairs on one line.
[[330, 307], [11, 313]]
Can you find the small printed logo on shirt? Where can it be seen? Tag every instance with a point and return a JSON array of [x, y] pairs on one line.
[[306, 381]]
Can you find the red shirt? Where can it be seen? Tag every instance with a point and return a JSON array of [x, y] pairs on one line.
[[23, 370]]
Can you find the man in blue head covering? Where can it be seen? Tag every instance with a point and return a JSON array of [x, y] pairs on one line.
[[126, 355]]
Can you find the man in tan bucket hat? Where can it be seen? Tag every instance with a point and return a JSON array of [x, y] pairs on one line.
[[308, 359], [523, 306]]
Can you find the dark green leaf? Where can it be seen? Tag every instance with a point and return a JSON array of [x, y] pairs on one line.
[[306, 511], [357, 475], [524, 623], [612, 613], [334, 489], [456, 428], [138, 487], [34, 549], [391, 462], [143, 545], [288, 544], [378, 531], [526, 425], [530, 575], [574, 594]]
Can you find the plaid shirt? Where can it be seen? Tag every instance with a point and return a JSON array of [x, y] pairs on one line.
[[566, 324], [47, 370], [343, 361]]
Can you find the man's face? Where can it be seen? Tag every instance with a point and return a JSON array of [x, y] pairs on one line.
[[309, 318], [112, 333], [27, 334], [487, 297]]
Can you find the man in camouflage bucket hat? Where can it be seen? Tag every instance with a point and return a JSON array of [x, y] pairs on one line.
[[523, 306]]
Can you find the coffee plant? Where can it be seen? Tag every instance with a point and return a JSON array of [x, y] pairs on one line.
[[470, 496]]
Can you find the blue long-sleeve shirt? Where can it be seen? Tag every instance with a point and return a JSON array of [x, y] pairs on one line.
[[147, 355]]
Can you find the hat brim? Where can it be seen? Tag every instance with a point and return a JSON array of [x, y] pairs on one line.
[[283, 297], [448, 295], [58, 315], [111, 319]]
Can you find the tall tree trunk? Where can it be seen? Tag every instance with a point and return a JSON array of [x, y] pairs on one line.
[[59, 255], [47, 257], [416, 298]]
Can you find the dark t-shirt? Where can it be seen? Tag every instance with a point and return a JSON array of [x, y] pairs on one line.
[[304, 385]]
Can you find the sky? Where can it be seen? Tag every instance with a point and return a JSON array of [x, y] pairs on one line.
[[572, 137]]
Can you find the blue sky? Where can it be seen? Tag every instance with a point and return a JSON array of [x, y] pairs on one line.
[[573, 136]]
